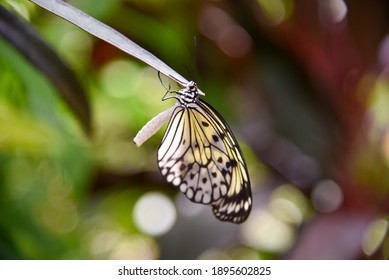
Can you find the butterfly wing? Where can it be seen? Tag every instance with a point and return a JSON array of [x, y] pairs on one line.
[[236, 205], [199, 155]]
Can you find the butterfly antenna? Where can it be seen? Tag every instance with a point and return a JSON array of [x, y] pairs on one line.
[[194, 60], [189, 73]]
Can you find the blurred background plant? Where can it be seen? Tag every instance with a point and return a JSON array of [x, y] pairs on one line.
[[304, 85]]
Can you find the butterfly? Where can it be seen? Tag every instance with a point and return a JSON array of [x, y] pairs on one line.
[[200, 156]]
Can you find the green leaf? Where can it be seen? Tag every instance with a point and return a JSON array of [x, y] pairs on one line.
[[24, 38]]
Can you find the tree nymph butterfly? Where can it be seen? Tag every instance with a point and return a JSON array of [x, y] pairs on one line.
[[200, 156]]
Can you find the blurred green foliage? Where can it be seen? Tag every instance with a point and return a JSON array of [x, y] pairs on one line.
[[306, 97]]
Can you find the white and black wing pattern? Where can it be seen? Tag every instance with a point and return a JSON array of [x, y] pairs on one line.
[[236, 205], [200, 156]]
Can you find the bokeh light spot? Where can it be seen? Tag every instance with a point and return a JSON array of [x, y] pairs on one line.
[[327, 196], [214, 254], [378, 103], [286, 210], [385, 146], [101, 242], [263, 231], [154, 214], [289, 204], [383, 52], [70, 46], [230, 37], [62, 218], [374, 235], [116, 76], [243, 253], [234, 41], [332, 11], [276, 11], [135, 247]]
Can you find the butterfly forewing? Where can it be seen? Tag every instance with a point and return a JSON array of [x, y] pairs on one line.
[[200, 156], [186, 157]]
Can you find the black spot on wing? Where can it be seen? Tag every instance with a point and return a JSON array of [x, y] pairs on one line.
[[231, 163]]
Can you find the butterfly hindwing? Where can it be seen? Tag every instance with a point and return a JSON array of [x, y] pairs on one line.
[[236, 205]]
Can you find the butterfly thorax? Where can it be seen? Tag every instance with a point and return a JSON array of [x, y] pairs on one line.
[[188, 95]]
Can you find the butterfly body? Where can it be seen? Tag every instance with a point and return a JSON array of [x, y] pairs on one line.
[[200, 156]]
